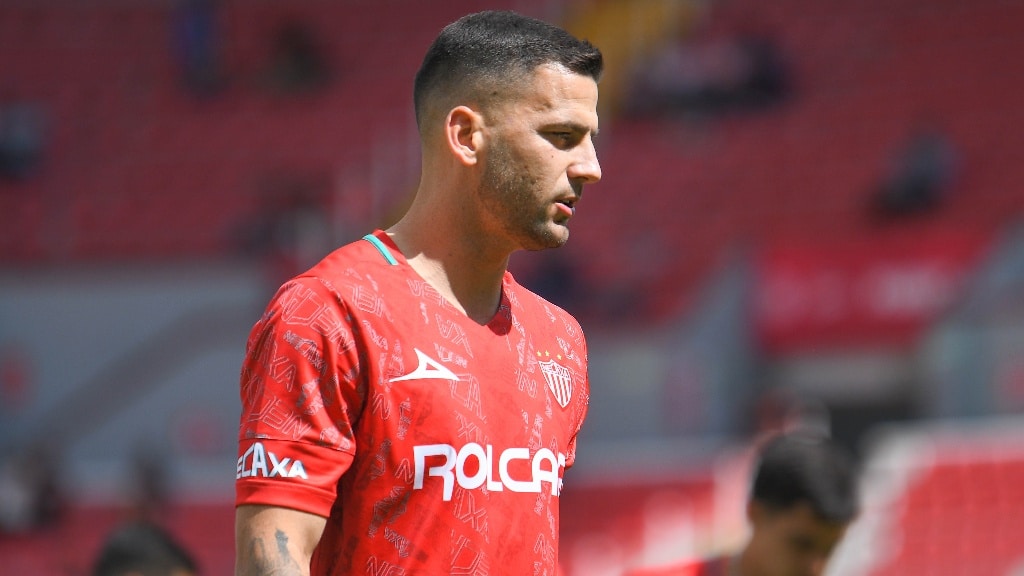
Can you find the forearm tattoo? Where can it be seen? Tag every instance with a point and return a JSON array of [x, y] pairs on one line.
[[276, 562]]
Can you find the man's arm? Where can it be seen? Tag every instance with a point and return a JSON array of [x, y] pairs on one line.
[[270, 540]]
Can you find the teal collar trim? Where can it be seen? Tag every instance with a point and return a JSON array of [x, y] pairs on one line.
[[381, 248]]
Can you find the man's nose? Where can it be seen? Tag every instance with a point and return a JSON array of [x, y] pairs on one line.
[[586, 167]]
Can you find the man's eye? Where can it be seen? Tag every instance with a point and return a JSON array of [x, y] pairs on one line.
[[563, 138]]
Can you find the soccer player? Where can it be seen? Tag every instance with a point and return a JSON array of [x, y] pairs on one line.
[[802, 500], [407, 407]]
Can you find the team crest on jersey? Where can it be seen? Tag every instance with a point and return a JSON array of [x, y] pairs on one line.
[[559, 381]]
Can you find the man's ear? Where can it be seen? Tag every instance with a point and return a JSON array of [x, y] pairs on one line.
[[462, 130]]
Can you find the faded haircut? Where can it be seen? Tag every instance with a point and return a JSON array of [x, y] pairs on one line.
[[800, 468], [481, 56]]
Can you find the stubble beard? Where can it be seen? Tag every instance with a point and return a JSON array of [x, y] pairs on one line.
[[509, 193]]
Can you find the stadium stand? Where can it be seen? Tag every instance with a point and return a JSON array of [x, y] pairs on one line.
[[864, 76], [137, 168], [938, 500]]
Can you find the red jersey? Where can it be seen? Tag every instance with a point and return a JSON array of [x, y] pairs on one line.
[[432, 444]]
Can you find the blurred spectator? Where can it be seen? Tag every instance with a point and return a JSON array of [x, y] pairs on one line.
[[30, 496], [16, 379], [766, 78], [297, 63], [151, 477], [555, 277], [22, 139], [197, 41], [802, 499], [919, 176], [141, 548], [706, 77], [292, 229]]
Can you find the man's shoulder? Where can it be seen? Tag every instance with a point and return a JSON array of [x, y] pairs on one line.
[[353, 262], [349, 269], [356, 254]]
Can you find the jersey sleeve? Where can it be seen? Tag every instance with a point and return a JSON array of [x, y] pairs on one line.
[[301, 398]]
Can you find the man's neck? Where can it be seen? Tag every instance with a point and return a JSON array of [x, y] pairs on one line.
[[465, 275]]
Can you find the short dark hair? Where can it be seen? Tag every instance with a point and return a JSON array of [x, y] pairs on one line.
[[142, 547], [797, 468], [483, 53]]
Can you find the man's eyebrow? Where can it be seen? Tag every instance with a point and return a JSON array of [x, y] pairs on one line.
[[576, 127]]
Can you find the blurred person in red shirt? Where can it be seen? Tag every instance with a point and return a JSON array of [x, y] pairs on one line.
[[802, 500]]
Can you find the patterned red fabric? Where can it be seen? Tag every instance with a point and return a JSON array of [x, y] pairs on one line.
[[432, 444]]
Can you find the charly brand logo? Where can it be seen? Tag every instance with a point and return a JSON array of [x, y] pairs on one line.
[[428, 369], [449, 464], [558, 377], [258, 461]]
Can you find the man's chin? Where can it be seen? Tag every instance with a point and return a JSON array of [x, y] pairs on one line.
[[554, 236]]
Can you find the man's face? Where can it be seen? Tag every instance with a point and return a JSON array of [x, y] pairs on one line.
[[539, 154], [790, 542]]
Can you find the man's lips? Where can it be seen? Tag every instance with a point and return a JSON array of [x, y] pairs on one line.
[[567, 206]]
